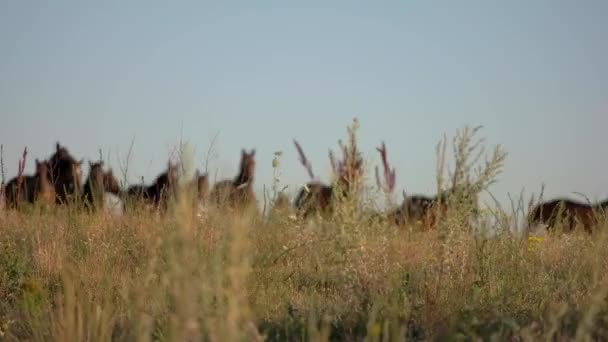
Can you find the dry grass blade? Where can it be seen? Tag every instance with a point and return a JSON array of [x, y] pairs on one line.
[[21, 170], [335, 165], [303, 160], [389, 173], [2, 174]]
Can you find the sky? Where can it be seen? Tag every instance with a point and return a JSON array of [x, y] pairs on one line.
[[259, 74]]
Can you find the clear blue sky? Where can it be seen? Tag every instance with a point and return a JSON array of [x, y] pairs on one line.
[[96, 75]]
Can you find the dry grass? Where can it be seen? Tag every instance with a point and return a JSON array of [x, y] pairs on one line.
[[71, 276]]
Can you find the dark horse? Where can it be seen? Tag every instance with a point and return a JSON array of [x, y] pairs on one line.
[[200, 185], [98, 183], [33, 189], [65, 174], [237, 192], [318, 197], [160, 192], [428, 209], [417, 208], [314, 197], [568, 212]]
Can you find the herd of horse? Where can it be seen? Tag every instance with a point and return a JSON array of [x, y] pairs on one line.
[[57, 181]]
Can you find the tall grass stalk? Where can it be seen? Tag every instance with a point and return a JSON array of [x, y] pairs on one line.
[[69, 276]]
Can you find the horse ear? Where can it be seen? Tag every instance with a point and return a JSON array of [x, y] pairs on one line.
[[110, 172], [57, 146], [37, 162], [90, 163], [252, 153]]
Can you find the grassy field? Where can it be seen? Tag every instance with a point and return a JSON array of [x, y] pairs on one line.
[[70, 276]]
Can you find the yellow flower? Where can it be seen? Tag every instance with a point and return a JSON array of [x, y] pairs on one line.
[[534, 241], [375, 329]]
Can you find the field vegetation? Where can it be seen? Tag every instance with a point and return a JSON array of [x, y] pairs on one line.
[[221, 274]]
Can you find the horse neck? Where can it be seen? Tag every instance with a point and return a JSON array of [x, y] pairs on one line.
[[43, 182], [93, 188], [242, 178]]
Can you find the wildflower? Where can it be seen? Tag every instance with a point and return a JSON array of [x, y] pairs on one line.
[[537, 239], [375, 329], [534, 241]]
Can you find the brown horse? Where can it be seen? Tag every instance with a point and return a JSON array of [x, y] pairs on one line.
[[318, 197], [15, 195], [65, 174], [418, 209], [44, 190], [428, 209], [98, 183], [201, 186], [160, 192], [237, 192], [568, 212], [314, 197], [34, 189]]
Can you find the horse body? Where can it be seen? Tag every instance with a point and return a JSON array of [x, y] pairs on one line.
[[318, 197], [567, 211], [164, 187], [65, 174], [159, 192], [314, 197], [238, 192], [427, 209], [139, 192], [33, 188], [97, 184], [15, 194], [418, 208]]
